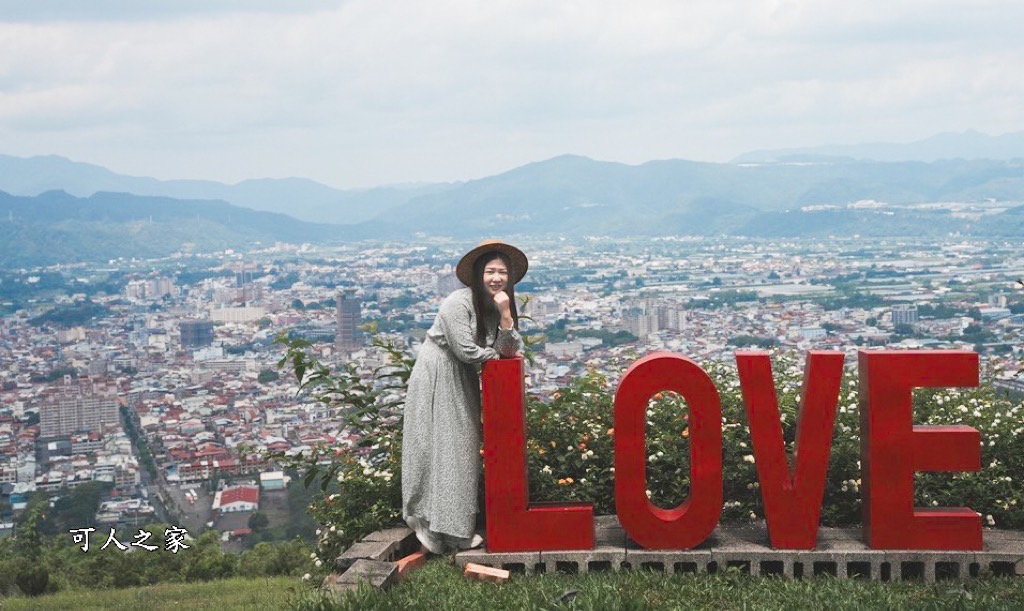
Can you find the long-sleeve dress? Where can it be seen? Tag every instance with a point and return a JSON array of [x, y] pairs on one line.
[[442, 429]]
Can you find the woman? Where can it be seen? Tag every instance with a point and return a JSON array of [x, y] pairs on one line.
[[441, 431]]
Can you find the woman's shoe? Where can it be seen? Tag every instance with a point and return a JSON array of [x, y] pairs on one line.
[[429, 540], [471, 543]]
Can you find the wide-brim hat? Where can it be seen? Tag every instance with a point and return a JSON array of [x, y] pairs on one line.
[[517, 260]]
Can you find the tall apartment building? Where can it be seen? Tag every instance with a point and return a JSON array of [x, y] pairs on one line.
[[349, 316], [77, 407], [196, 333], [904, 314]]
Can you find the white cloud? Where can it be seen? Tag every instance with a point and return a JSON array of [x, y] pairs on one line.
[[362, 92]]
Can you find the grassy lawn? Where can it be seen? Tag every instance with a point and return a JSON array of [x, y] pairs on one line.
[[440, 585], [263, 593]]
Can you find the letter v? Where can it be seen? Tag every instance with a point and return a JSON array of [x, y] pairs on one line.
[[792, 497]]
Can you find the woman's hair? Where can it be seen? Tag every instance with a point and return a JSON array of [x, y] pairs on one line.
[[483, 301]]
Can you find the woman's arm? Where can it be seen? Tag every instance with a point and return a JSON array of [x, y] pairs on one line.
[[508, 343], [456, 319]]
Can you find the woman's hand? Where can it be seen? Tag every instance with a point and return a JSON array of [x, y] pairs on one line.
[[504, 305], [503, 302]]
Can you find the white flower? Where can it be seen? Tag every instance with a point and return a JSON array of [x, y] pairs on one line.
[[749, 458], [648, 494], [334, 529], [312, 556], [306, 577], [546, 469], [991, 521], [318, 563]]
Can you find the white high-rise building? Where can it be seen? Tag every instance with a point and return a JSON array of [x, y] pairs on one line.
[[76, 408]]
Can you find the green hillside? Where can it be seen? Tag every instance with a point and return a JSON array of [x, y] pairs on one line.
[[55, 227]]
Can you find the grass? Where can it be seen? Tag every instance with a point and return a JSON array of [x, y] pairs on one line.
[[439, 585], [223, 595]]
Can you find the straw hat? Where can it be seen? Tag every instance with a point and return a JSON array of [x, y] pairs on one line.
[[518, 262]]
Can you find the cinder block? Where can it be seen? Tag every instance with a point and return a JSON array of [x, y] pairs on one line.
[[403, 536], [369, 550], [506, 560], [480, 572], [669, 560], [374, 573], [840, 552], [410, 563], [580, 561], [609, 536], [332, 583]]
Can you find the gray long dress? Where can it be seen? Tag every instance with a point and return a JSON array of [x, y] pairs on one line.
[[442, 429]]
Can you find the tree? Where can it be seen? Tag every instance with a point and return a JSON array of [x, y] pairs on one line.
[[267, 376], [32, 576], [258, 520]]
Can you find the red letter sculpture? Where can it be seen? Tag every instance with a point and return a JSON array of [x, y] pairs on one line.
[[792, 497], [512, 525], [892, 449], [690, 523]]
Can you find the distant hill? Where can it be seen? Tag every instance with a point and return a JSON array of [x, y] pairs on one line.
[[970, 144], [297, 197], [573, 195], [568, 195], [56, 227]]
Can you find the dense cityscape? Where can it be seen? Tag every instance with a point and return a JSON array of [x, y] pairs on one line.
[[160, 377]]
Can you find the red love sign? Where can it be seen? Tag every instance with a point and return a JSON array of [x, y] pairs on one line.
[[893, 449]]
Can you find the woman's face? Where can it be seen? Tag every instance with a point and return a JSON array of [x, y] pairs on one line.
[[495, 276]]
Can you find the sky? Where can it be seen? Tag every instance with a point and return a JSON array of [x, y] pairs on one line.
[[359, 93]]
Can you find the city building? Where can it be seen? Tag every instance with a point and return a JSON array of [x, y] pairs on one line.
[[76, 408], [196, 333], [904, 314], [237, 498], [349, 317]]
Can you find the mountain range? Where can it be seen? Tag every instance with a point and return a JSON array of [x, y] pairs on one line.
[[806, 192], [56, 227]]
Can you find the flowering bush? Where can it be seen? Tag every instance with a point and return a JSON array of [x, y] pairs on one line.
[[570, 441], [360, 484]]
